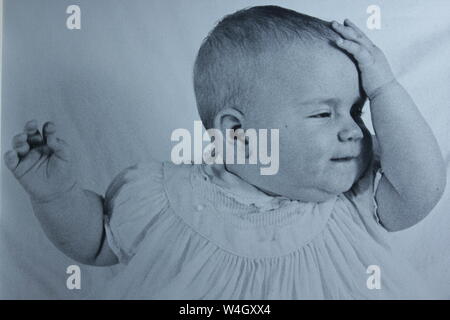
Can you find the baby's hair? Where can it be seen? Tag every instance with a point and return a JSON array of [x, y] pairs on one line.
[[225, 66]]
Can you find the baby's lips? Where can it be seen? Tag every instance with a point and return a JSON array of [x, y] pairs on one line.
[[345, 156]]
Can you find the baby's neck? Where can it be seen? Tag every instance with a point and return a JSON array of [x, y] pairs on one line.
[[227, 179], [220, 175], [252, 180]]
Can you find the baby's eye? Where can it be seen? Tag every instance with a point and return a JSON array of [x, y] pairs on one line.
[[321, 115]]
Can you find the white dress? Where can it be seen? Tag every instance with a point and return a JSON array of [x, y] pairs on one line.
[[184, 232]]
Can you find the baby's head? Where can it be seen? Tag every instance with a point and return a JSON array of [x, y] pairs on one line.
[[273, 68]]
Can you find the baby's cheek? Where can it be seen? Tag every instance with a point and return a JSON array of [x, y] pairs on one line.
[[303, 150], [292, 156], [313, 163]]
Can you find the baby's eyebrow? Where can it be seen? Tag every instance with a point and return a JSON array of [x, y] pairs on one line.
[[332, 101], [328, 101]]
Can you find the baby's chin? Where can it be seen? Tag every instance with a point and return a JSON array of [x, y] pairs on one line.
[[340, 187], [339, 184]]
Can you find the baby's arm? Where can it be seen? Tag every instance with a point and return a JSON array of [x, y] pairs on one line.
[[72, 218], [414, 170], [73, 222]]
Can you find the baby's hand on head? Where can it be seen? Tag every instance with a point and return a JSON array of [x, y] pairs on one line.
[[373, 65], [42, 163]]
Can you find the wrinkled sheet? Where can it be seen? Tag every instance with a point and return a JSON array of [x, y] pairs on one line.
[[118, 87]]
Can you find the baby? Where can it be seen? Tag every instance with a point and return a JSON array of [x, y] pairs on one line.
[[225, 231]]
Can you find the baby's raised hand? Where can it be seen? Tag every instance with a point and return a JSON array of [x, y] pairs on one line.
[[42, 163], [373, 66]]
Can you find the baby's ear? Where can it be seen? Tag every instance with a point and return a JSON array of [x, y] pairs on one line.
[[228, 118]]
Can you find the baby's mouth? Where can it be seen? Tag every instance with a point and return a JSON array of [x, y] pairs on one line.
[[343, 159]]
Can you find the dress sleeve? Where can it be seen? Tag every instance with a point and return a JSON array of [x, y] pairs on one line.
[[133, 200]]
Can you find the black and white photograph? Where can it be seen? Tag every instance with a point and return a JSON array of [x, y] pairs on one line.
[[225, 150]]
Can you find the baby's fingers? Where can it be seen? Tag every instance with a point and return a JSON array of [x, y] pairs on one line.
[[19, 167], [11, 160], [34, 136], [349, 23], [350, 31], [361, 54], [20, 144], [48, 129], [57, 145]]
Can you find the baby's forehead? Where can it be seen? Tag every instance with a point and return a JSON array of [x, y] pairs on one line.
[[307, 72], [305, 62]]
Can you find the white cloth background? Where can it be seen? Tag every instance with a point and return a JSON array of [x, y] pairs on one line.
[[118, 87]]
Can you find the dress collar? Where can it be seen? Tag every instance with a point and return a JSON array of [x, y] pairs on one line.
[[239, 189]]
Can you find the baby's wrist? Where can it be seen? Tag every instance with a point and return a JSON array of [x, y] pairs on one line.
[[63, 194], [381, 89]]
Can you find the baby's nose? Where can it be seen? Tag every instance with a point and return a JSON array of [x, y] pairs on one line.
[[350, 132]]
